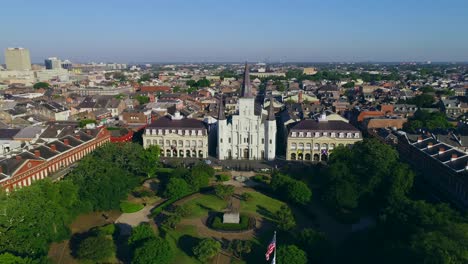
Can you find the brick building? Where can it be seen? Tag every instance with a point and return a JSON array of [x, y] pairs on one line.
[[45, 158]]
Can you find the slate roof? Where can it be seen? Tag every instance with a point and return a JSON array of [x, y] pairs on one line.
[[332, 125], [8, 133]]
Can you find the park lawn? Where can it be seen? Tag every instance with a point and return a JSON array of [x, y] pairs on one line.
[[201, 205], [129, 207], [182, 252], [261, 205]]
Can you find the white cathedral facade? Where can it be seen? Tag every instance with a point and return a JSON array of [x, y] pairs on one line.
[[249, 134]]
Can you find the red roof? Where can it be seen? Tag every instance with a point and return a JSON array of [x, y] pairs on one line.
[[155, 89]]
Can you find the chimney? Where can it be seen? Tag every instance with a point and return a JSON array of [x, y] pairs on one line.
[[299, 97], [18, 157], [37, 153], [78, 137], [420, 139], [454, 157], [88, 132], [66, 142], [53, 147], [429, 145], [441, 150]]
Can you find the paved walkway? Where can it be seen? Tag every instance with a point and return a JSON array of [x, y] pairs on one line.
[[127, 221]]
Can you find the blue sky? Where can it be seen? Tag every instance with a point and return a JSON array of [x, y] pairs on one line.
[[228, 30]]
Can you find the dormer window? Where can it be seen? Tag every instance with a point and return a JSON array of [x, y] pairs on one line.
[[293, 134], [317, 134]]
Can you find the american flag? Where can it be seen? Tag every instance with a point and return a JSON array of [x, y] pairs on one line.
[[271, 248]]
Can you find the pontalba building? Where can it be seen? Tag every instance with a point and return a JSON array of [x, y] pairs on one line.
[[178, 137], [249, 134], [46, 157], [314, 140]]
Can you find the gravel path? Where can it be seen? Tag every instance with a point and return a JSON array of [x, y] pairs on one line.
[[127, 221]]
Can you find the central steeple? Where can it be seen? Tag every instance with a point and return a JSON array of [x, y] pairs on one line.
[[246, 86]]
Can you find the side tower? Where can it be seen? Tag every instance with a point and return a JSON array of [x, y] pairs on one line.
[[222, 131], [270, 131]]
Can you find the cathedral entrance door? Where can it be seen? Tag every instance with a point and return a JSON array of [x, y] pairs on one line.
[[246, 153]]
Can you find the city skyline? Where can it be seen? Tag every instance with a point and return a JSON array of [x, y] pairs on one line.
[[210, 31]]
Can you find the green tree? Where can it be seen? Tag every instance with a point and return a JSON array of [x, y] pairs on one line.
[[315, 244], [285, 218], [191, 83], [206, 249], [41, 85], [199, 176], [203, 83], [171, 221], [153, 251], [176, 188], [142, 99], [182, 210], [291, 255], [298, 192], [7, 258], [145, 78], [348, 85], [240, 247], [224, 191], [96, 248], [140, 234]]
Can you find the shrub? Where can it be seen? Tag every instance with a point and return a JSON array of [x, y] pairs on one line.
[[129, 207], [245, 223], [107, 230], [261, 179], [222, 177]]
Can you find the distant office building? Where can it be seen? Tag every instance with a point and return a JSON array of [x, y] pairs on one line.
[[53, 63], [66, 64], [17, 59]]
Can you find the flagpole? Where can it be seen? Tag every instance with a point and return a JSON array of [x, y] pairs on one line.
[[274, 253]]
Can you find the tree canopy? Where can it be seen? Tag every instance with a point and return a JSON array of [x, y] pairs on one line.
[[206, 249], [41, 85], [153, 251], [368, 174], [291, 254]]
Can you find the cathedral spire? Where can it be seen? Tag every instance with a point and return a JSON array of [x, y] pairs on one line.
[[271, 110], [246, 86], [221, 115]]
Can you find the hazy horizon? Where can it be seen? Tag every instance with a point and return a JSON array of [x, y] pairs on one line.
[[217, 31]]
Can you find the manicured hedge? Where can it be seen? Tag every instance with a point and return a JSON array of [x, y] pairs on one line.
[[245, 223]]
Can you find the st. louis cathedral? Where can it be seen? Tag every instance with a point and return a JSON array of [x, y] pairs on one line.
[[251, 132]]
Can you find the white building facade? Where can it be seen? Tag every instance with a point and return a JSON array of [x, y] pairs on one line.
[[250, 134]]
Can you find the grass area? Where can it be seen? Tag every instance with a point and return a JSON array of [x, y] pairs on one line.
[[129, 207], [182, 240], [262, 205], [184, 237], [203, 204]]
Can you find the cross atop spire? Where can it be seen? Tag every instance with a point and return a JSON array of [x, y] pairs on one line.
[[246, 86]]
